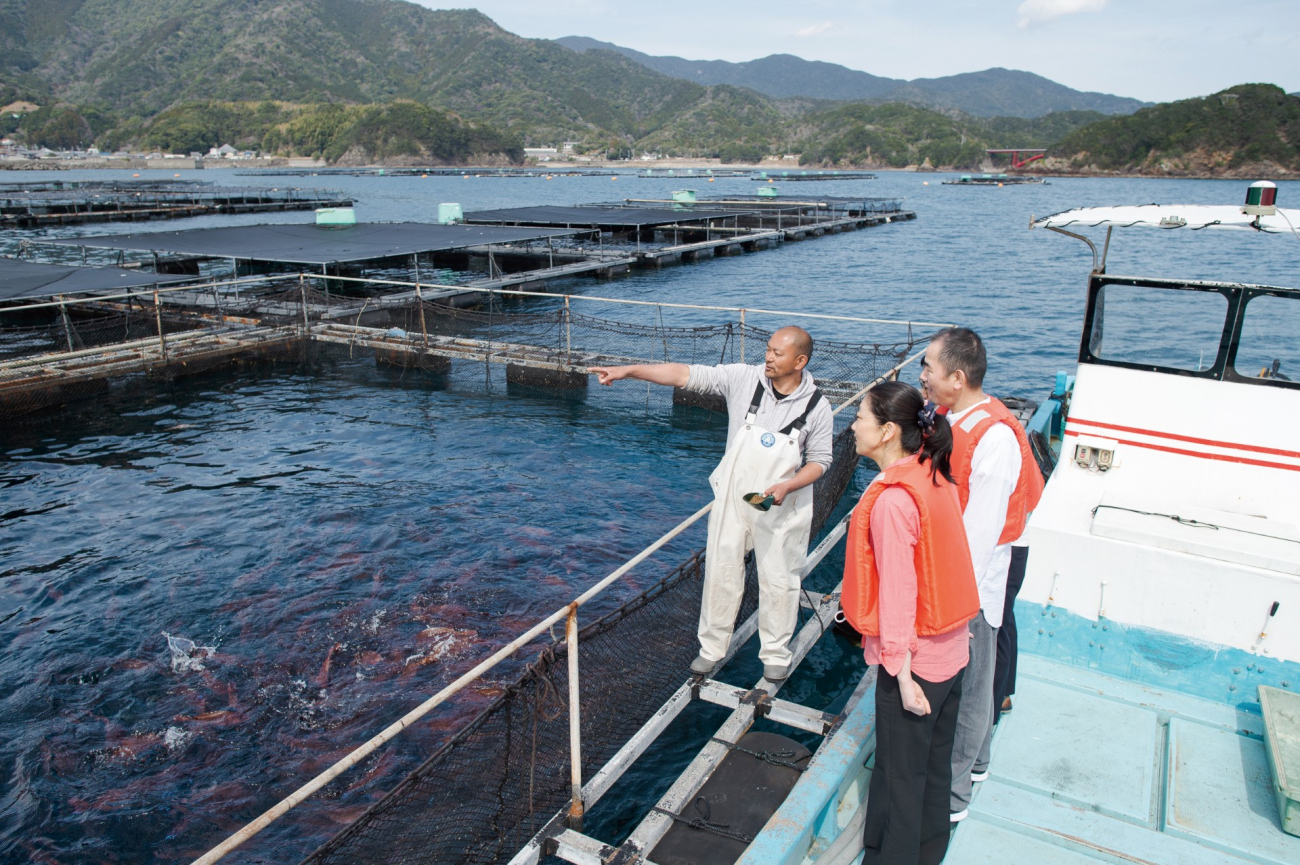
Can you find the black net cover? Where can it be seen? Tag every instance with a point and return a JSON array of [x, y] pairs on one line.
[[501, 777], [20, 278], [588, 216], [316, 245]]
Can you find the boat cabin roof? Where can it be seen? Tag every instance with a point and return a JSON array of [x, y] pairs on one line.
[[1172, 216]]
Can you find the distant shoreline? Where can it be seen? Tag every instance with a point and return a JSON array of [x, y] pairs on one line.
[[187, 167]]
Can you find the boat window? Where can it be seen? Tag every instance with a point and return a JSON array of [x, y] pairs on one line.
[[1268, 347], [1156, 327]]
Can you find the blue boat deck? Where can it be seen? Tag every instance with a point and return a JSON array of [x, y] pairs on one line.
[[1091, 768]]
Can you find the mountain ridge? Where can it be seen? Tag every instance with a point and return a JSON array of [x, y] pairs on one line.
[[987, 93], [391, 81]]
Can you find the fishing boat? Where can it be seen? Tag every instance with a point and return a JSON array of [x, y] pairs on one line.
[[1157, 718], [1157, 714]]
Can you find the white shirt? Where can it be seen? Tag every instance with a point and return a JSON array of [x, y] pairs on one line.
[[995, 469]]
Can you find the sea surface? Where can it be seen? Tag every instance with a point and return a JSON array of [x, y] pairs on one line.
[[211, 590]]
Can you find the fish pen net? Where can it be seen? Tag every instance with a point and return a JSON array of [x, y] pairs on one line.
[[426, 335], [76, 331], [498, 780]]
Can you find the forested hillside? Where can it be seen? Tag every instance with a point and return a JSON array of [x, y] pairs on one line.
[[1248, 130], [358, 81]]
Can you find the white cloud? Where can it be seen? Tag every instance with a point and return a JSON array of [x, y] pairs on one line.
[[1042, 11], [813, 30]]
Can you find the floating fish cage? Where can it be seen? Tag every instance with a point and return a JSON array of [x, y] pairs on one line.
[[994, 180], [34, 205]]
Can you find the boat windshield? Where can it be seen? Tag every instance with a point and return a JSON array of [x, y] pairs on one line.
[[1223, 331]]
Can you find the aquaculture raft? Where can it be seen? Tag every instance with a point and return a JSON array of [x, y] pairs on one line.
[[32, 205], [993, 180]]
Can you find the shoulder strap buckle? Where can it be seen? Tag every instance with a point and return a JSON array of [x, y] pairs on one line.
[[757, 400], [799, 422]]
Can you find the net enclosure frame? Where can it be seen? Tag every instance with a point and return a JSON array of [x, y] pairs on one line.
[[65, 349], [540, 687], [617, 216]]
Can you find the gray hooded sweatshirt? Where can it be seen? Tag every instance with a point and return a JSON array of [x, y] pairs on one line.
[[735, 383]]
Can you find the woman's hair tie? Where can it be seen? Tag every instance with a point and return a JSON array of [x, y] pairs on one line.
[[925, 419]]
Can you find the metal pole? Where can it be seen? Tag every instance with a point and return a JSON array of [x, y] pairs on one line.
[[302, 289], [575, 725], [568, 340], [157, 311], [742, 336], [424, 332], [67, 326]]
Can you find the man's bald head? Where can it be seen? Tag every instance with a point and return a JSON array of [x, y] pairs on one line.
[[799, 340]]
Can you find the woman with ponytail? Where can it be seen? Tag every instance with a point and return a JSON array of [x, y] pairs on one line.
[[910, 590]]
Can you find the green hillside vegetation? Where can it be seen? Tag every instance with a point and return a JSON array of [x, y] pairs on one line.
[[137, 58], [385, 80], [396, 132], [1248, 129], [897, 135]]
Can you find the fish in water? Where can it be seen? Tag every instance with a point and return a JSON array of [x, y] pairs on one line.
[[434, 644], [323, 677], [219, 717]]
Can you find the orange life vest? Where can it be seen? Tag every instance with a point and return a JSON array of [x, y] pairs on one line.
[[1029, 486], [946, 593]]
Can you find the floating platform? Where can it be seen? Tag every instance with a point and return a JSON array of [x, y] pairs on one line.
[[618, 217], [33, 383], [691, 173], [441, 171], [782, 176], [994, 180], [313, 246], [25, 279], [34, 205]]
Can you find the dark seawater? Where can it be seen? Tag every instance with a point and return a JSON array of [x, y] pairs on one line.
[[328, 544]]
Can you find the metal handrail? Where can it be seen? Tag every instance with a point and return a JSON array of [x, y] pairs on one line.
[[568, 613], [419, 285]]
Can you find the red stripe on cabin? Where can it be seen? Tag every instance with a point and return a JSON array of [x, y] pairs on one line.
[[1190, 439]]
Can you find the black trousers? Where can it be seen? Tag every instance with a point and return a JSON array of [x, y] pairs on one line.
[[907, 803], [1004, 672]]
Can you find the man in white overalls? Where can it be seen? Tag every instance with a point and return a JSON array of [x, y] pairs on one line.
[[779, 442]]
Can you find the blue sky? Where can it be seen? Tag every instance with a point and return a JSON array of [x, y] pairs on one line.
[[1158, 50]]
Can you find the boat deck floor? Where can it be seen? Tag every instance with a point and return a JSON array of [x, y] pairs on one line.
[[1091, 768]]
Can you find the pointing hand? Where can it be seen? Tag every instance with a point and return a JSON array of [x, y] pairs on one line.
[[607, 375]]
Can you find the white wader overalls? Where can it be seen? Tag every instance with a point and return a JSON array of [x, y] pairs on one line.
[[757, 459]]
